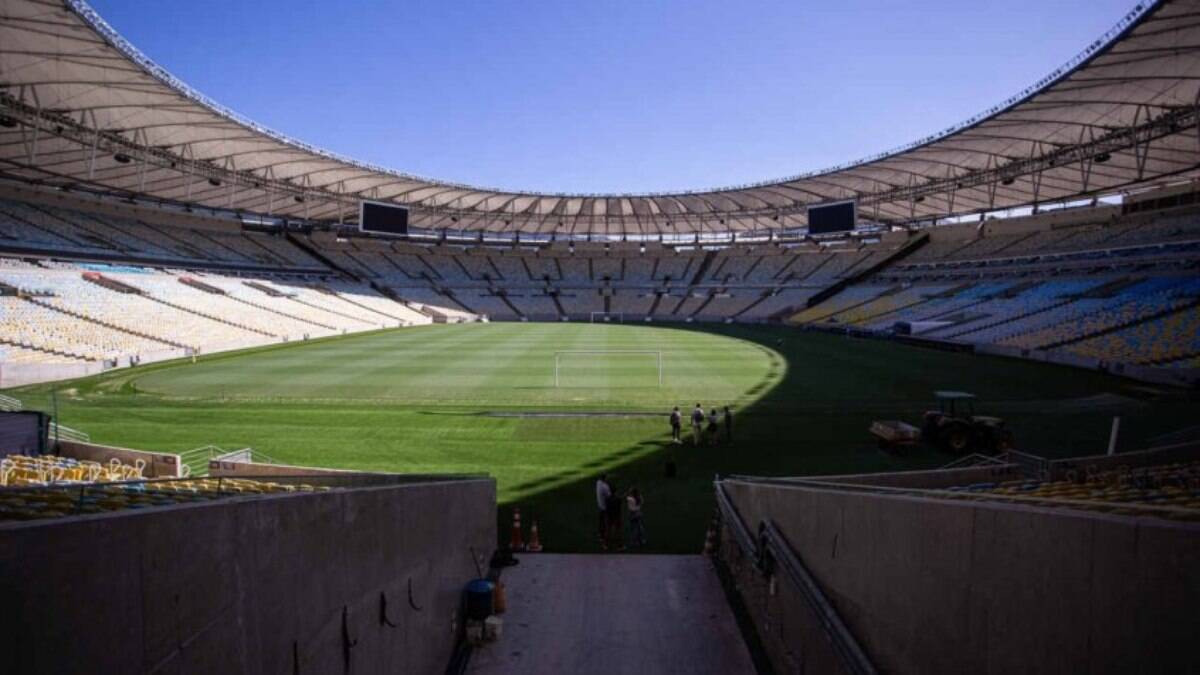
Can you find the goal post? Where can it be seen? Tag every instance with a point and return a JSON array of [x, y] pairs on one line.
[[558, 357], [606, 317]]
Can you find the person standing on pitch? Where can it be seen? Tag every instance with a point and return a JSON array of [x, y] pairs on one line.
[[728, 425], [612, 507], [676, 424], [603, 492], [637, 528], [697, 424]]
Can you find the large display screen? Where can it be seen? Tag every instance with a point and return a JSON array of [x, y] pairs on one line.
[[378, 218], [835, 217]]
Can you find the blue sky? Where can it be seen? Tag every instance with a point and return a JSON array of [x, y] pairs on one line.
[[633, 96]]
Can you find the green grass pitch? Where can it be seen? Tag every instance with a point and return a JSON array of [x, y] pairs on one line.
[[453, 399]]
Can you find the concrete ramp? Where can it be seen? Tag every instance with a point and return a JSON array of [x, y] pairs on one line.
[[614, 614]]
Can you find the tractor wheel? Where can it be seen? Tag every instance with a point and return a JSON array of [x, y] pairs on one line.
[[1004, 441], [956, 439]]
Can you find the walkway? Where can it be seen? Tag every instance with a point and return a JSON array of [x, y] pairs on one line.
[[614, 614]]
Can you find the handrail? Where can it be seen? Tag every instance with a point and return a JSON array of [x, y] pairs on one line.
[[730, 516], [974, 459], [10, 404], [843, 641], [771, 542], [1030, 465], [59, 432], [196, 460]]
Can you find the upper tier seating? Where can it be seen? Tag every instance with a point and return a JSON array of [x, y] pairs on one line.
[[61, 229]]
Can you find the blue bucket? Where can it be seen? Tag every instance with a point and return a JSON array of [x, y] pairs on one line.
[[479, 599]]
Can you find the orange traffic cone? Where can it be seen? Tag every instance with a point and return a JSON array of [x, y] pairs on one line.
[[515, 542], [535, 544], [499, 598]]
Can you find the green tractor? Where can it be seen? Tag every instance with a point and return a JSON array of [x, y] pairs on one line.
[[955, 428]]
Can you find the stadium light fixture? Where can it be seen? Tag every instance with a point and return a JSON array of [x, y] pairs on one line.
[[1103, 157], [122, 158]]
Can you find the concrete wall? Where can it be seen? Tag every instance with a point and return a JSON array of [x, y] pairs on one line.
[[927, 480], [158, 464], [943, 586], [242, 585], [225, 468], [21, 374], [1179, 452], [790, 633], [230, 468]]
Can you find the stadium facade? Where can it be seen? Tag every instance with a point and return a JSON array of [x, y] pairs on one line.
[[86, 109]]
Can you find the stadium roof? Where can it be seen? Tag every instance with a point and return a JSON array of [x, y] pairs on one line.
[[80, 106]]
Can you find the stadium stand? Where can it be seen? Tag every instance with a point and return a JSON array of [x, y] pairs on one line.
[[1175, 485], [21, 470], [52, 497], [1098, 285]]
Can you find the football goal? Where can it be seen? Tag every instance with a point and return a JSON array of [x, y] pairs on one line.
[[608, 317], [608, 368]]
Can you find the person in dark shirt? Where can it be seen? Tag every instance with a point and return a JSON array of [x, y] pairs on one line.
[[697, 424], [612, 511], [676, 425]]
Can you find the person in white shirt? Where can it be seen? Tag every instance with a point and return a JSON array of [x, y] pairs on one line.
[[697, 424], [603, 492]]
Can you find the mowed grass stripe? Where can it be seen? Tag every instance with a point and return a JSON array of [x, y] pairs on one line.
[[490, 365]]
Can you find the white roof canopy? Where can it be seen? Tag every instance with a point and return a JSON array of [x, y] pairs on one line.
[[80, 106]]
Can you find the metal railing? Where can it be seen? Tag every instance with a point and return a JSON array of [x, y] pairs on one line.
[[1030, 465], [10, 404], [974, 459], [195, 461], [60, 432], [770, 544]]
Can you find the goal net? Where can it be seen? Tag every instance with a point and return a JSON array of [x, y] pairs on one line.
[[608, 317], [608, 368]]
